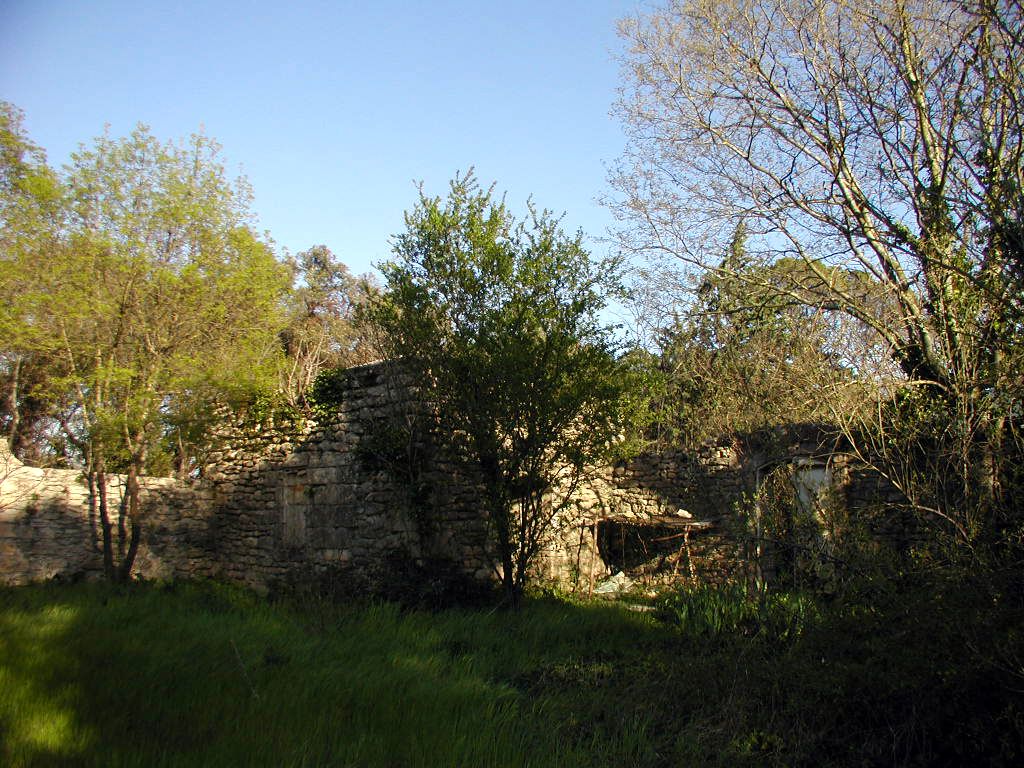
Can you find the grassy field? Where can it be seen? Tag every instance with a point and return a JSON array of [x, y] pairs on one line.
[[207, 675]]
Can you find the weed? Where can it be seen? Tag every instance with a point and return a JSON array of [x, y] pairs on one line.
[[199, 674]]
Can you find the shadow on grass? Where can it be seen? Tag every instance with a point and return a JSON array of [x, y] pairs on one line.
[[206, 675], [41, 720]]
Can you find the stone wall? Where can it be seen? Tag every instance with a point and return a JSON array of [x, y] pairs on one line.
[[371, 491], [353, 496], [656, 495], [49, 529]]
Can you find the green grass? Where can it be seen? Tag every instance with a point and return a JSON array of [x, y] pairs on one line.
[[207, 675]]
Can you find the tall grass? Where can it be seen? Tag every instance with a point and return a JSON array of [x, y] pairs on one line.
[[207, 675], [738, 609]]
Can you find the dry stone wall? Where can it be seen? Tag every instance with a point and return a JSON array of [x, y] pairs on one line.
[[351, 496], [359, 496], [49, 528], [367, 492], [666, 494]]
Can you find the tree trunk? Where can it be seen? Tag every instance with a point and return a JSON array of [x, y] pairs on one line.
[[11, 404], [131, 507], [122, 529], [501, 523], [509, 583], [124, 574], [116, 568], [985, 473], [98, 488], [508, 566]]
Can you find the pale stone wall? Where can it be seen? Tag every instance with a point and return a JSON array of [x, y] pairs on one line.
[[43, 532], [49, 529], [701, 489], [353, 497], [280, 501], [340, 496]]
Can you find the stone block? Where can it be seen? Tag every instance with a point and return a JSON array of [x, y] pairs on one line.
[[322, 475]]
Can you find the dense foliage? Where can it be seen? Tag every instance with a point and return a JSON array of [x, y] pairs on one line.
[[141, 306], [321, 334], [871, 140], [181, 675], [500, 322]]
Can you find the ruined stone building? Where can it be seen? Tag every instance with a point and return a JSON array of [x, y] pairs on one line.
[[296, 500]]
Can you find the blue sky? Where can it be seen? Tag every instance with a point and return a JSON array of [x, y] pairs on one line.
[[333, 109]]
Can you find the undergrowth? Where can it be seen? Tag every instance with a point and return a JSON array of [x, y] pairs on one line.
[[197, 674]]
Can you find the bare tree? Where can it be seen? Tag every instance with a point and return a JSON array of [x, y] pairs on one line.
[[873, 137]]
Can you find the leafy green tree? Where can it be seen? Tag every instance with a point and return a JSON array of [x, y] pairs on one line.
[[157, 303], [500, 321], [322, 333], [31, 220]]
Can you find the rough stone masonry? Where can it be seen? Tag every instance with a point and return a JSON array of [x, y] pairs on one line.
[[354, 495]]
